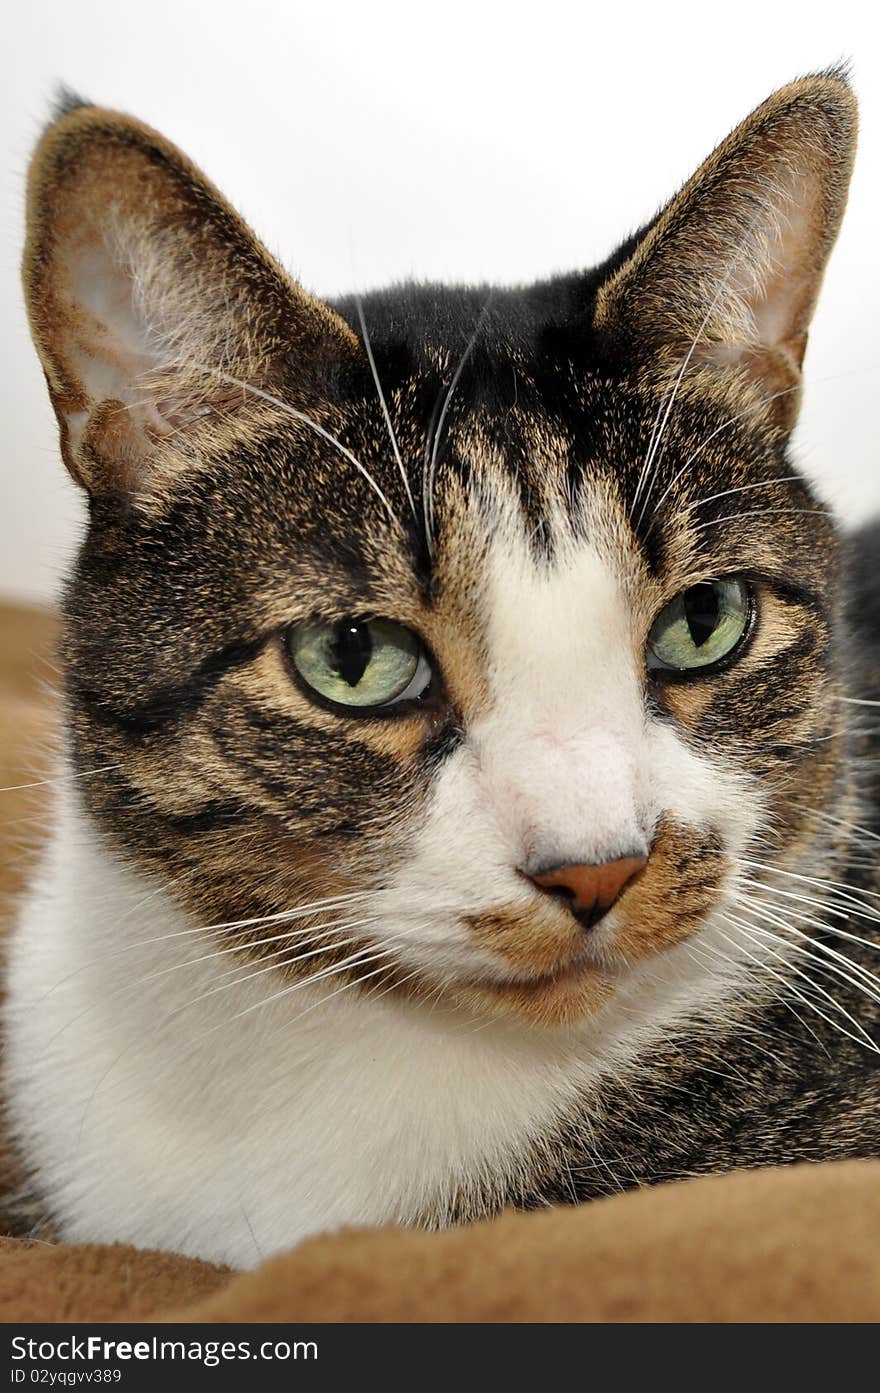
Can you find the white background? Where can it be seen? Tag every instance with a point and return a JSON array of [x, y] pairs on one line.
[[484, 140]]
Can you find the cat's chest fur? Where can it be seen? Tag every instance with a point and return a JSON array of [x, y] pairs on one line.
[[188, 1099]]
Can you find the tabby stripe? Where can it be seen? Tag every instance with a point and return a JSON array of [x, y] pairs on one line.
[[169, 704]]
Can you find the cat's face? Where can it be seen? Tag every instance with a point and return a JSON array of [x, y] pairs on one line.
[[491, 682]]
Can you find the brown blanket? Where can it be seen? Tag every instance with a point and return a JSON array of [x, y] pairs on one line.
[[801, 1244]]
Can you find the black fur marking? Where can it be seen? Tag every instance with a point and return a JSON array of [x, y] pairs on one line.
[[218, 816], [170, 704]]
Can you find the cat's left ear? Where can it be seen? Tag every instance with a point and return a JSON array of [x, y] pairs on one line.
[[153, 306], [730, 270]]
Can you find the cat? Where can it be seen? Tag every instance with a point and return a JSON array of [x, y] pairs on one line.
[[469, 795]]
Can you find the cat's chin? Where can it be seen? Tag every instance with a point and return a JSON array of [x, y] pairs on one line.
[[561, 998]]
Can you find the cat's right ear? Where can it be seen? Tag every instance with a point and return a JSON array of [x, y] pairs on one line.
[[151, 303], [726, 277]]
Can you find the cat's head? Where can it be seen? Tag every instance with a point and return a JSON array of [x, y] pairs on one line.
[[480, 637]]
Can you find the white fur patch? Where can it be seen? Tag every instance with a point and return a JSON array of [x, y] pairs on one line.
[[565, 767], [209, 1128]]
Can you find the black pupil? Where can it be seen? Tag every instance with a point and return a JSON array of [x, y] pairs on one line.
[[702, 611], [351, 650]]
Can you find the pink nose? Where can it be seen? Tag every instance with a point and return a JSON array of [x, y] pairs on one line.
[[591, 890]]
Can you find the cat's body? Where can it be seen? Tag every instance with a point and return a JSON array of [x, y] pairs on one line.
[[552, 919]]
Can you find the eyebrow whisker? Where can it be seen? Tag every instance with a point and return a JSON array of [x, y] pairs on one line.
[[386, 413], [430, 470], [305, 420]]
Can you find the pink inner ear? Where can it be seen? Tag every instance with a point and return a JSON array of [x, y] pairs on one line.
[[779, 273], [113, 338], [107, 344], [114, 354], [762, 327], [791, 277]]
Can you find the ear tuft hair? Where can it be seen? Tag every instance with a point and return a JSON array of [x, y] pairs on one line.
[[841, 71], [65, 101]]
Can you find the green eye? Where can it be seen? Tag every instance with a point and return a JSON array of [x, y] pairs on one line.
[[360, 663], [700, 626]]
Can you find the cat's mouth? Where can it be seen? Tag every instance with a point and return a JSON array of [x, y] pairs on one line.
[[560, 997]]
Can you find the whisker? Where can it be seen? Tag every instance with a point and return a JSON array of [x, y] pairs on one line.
[[842, 909], [820, 924], [726, 425], [287, 962], [759, 977], [61, 778], [867, 1042], [384, 405], [749, 411], [766, 513], [346, 986], [312, 935], [353, 961], [827, 969], [845, 823], [742, 488], [306, 421], [282, 916], [846, 891], [431, 469], [864, 980], [319, 933], [657, 435]]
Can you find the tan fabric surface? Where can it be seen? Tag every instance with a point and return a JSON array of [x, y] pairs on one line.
[[800, 1244], [39, 1282], [782, 1245], [27, 670]]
